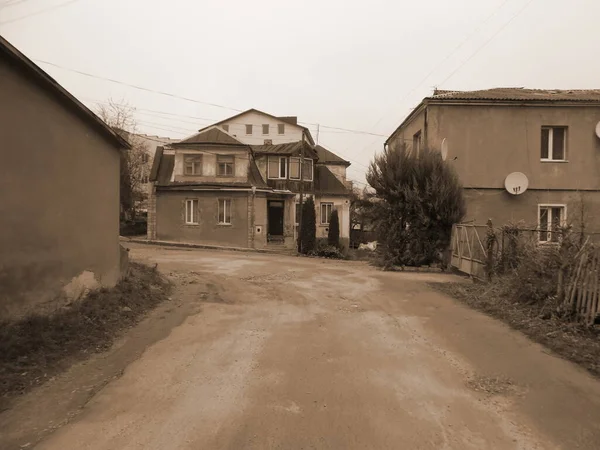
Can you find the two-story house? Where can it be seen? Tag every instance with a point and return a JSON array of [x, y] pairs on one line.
[[548, 136], [238, 183]]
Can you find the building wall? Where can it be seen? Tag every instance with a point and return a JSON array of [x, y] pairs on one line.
[[209, 165], [342, 204], [171, 226], [260, 220], [339, 171], [502, 207], [237, 128], [489, 142], [60, 198], [416, 124]]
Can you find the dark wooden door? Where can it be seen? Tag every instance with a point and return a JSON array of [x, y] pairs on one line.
[[275, 216]]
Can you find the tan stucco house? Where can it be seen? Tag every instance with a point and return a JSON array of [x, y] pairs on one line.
[[547, 135], [60, 190], [238, 183]]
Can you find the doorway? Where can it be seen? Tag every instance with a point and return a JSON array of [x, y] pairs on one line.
[[275, 218]]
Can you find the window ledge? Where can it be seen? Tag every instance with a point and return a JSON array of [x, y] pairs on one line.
[[224, 224], [554, 160], [191, 224]]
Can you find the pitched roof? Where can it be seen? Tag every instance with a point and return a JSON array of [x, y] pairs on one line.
[[290, 149], [328, 157], [67, 99], [520, 94], [211, 135], [327, 183], [286, 119]]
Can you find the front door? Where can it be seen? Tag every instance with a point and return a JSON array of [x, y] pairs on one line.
[[275, 216]]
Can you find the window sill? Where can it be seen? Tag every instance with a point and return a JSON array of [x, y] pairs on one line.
[[324, 225], [191, 224], [554, 160], [224, 224]]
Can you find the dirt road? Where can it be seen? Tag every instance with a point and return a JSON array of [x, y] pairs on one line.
[[296, 353]]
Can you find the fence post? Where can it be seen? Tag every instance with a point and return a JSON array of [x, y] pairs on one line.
[[490, 238]]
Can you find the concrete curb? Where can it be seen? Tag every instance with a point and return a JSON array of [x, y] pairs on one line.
[[203, 246]]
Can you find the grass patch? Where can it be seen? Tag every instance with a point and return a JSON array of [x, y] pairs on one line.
[[35, 348], [572, 341]]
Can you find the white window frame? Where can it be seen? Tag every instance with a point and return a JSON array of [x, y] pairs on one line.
[[281, 128], [278, 177], [225, 162], [549, 231], [550, 129], [223, 202], [327, 216], [268, 129], [251, 129], [200, 159], [189, 211]]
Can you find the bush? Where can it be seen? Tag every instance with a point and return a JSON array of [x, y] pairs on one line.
[[418, 201], [308, 231], [333, 236], [324, 250]]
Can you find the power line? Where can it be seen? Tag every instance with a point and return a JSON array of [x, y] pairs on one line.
[[42, 11], [167, 94], [458, 47], [485, 44]]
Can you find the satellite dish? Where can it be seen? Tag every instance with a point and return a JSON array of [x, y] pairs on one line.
[[445, 148], [598, 129], [516, 183]]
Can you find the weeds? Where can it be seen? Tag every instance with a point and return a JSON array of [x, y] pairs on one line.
[[36, 347]]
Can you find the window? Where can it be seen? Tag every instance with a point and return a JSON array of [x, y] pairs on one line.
[[225, 127], [248, 129], [294, 168], [191, 212], [554, 141], [417, 143], [193, 164], [551, 217], [266, 128], [225, 165], [225, 211], [281, 128], [307, 170], [145, 158], [326, 209], [277, 167]]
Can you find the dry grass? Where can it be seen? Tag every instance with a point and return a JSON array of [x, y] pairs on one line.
[[37, 347], [572, 341]]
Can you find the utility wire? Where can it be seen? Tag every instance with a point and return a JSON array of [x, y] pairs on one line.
[[167, 94], [42, 11], [487, 42], [456, 49]]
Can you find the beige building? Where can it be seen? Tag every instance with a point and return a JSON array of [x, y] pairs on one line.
[[60, 190], [549, 136], [220, 189]]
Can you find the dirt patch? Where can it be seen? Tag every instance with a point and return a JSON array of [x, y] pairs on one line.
[[571, 341], [491, 385], [37, 347]]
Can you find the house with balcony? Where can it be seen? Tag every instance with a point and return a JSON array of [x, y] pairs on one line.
[[546, 139], [238, 183]]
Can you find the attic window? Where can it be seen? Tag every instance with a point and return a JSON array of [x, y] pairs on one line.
[[192, 164], [281, 128], [265, 128], [225, 165], [277, 167], [249, 129]]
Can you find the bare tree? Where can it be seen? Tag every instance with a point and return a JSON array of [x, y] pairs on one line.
[[120, 117]]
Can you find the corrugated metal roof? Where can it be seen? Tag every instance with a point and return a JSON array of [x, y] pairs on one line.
[[328, 157], [327, 183], [212, 135], [521, 94], [290, 148]]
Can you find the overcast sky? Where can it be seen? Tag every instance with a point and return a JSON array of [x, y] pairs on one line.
[[359, 65]]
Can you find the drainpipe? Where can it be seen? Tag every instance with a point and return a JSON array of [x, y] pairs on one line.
[[301, 192]]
